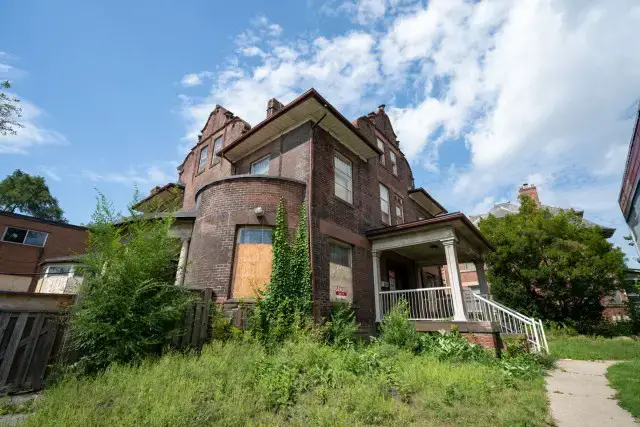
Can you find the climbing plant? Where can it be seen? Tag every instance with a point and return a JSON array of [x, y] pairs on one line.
[[287, 299]]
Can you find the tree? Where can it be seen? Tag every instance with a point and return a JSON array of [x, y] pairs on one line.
[[9, 111], [29, 195], [128, 303], [551, 266]]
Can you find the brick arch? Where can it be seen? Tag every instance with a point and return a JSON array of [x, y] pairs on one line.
[[222, 206]]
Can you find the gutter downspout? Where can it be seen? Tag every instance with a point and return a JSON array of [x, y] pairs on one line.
[[309, 212]]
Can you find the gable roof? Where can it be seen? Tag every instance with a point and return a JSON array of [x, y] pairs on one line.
[[308, 106]]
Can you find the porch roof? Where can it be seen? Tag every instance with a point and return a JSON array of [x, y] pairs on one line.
[[407, 239]]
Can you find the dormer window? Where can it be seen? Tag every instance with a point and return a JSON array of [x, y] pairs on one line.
[[203, 159]]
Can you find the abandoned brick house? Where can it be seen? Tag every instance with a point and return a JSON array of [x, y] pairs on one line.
[[374, 237]]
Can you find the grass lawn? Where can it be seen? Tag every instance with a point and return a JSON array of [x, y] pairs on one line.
[[590, 348], [300, 384], [625, 378]]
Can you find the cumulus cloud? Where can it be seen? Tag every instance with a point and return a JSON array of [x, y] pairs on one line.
[[141, 176], [195, 79], [535, 90]]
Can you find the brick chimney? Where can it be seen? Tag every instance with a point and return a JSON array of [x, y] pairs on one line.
[[530, 191], [273, 106]]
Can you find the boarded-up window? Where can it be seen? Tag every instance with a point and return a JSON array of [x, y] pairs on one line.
[[252, 264], [340, 272]]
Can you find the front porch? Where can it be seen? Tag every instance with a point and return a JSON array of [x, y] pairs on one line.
[[419, 263]]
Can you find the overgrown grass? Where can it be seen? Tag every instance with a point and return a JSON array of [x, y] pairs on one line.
[[625, 378], [301, 382], [594, 348]]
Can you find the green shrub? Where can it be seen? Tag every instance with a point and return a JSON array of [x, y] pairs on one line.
[[342, 326], [397, 329], [128, 303], [453, 346]]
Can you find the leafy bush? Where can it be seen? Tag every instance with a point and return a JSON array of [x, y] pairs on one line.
[[342, 326], [453, 346], [128, 303], [397, 329]]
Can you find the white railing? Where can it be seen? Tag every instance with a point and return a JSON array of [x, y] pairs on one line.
[[424, 304], [480, 308]]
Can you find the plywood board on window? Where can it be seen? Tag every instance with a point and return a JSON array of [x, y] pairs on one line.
[[252, 269], [340, 283]]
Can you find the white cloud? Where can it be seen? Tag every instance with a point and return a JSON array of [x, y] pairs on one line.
[[32, 135], [536, 90], [51, 173], [141, 176], [195, 79]]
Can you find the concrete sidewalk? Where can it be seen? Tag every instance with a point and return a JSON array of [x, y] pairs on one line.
[[580, 396]]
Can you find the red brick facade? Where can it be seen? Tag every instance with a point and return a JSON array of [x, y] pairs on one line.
[[301, 168], [17, 259]]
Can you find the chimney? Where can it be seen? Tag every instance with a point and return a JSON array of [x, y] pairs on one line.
[[381, 108], [273, 106], [530, 191]]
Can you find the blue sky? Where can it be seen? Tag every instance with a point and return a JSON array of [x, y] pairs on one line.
[[484, 95]]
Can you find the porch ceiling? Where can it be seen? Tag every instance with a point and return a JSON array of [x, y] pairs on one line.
[[421, 241]]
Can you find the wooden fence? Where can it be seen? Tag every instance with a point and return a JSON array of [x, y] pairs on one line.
[[31, 332]]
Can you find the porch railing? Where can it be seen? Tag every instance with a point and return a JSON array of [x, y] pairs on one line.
[[480, 308], [424, 304]]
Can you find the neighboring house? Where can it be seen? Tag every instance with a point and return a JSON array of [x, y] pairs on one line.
[[374, 237], [629, 200], [31, 247]]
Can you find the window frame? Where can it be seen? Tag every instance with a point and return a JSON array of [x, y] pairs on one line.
[[346, 161], [260, 160], [388, 211], [215, 159], [202, 166], [399, 203], [253, 227], [393, 159], [28, 230], [382, 146], [348, 247]]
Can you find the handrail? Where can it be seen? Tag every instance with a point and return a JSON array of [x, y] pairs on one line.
[[424, 303], [414, 290], [511, 322]]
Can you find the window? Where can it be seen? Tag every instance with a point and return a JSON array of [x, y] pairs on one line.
[[24, 236], [399, 210], [340, 273], [394, 162], [381, 147], [217, 146], [340, 255], [342, 177], [58, 270], [255, 235], [384, 204], [467, 266], [203, 159], [260, 167]]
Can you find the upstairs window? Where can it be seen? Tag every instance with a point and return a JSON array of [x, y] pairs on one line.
[[394, 162], [260, 167], [399, 210], [203, 159], [217, 146], [382, 156], [342, 178], [384, 204], [24, 236]]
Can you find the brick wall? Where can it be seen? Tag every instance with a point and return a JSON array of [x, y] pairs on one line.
[[225, 205], [223, 124], [63, 240]]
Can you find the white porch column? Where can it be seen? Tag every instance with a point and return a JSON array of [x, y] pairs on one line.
[[482, 279], [376, 283], [459, 311], [182, 261]]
